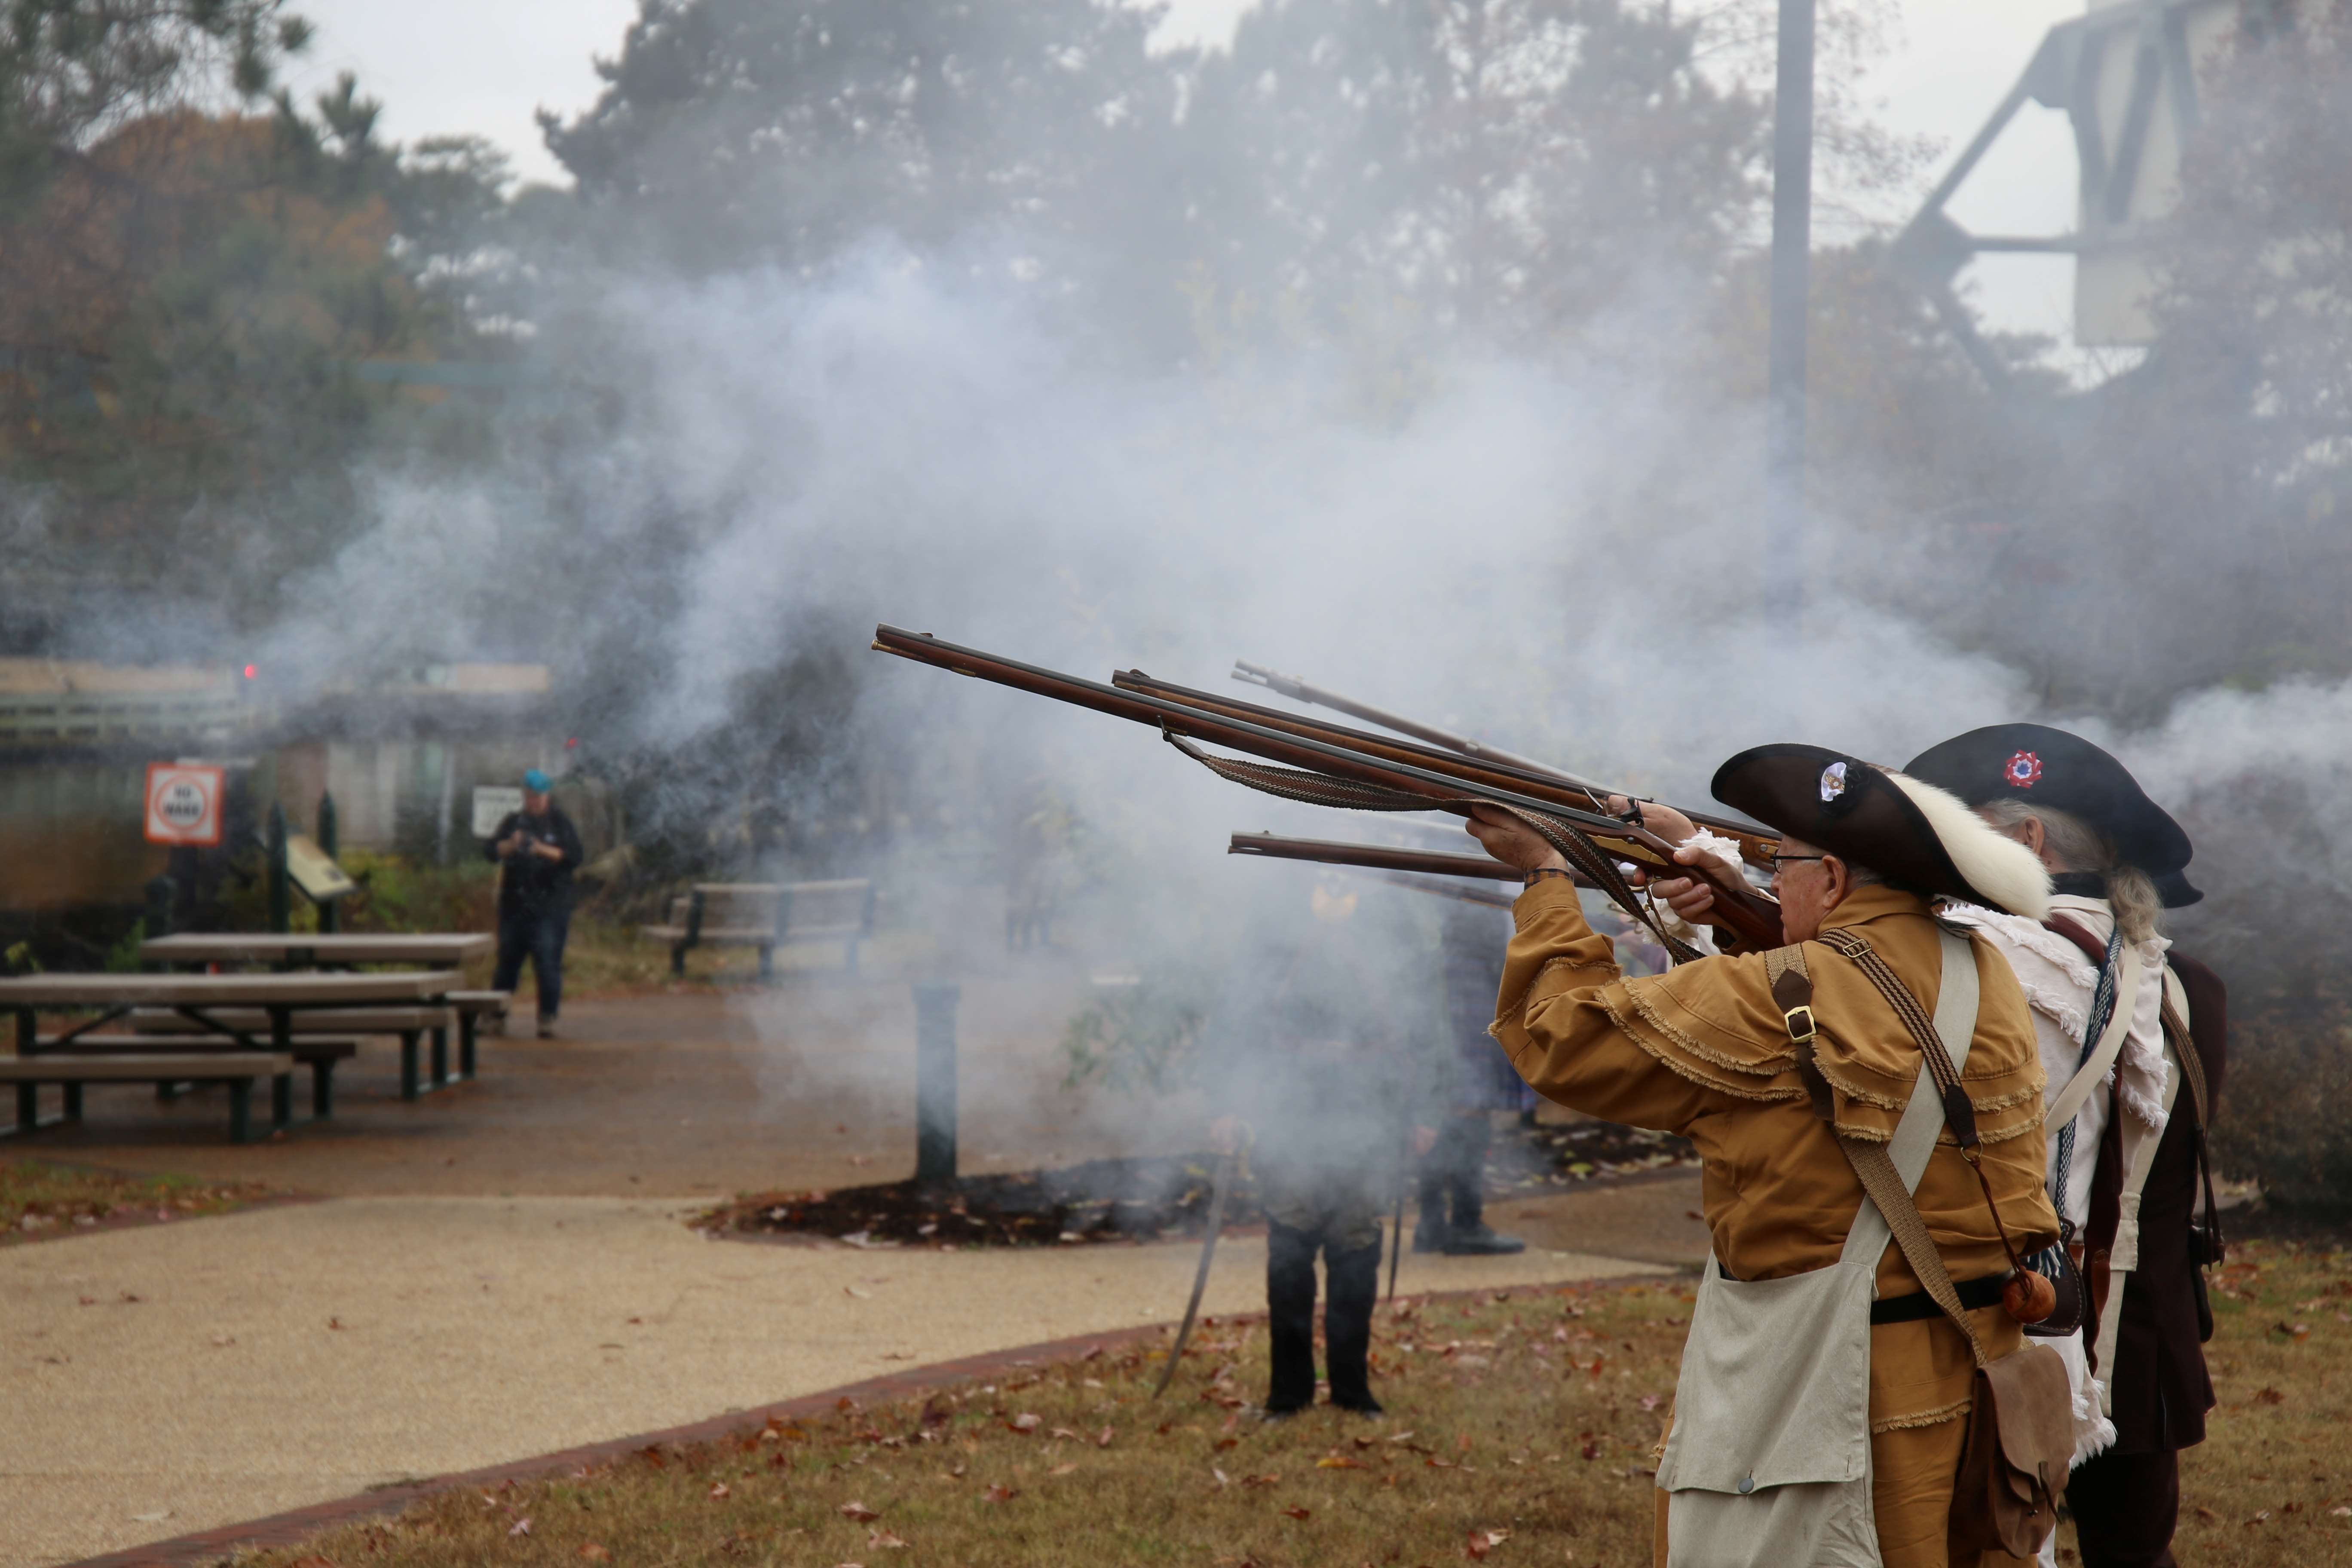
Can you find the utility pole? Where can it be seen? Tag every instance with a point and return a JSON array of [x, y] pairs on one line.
[[1792, 212]]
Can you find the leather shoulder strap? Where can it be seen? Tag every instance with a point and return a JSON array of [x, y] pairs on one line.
[[2175, 1023]]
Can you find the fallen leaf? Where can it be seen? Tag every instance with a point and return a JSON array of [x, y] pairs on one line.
[[1025, 1422], [2259, 1517], [592, 1553], [1000, 1494], [1222, 1479], [854, 1291], [1652, 1401], [1062, 1470], [2269, 1397], [1589, 1451], [1062, 1432], [859, 1512], [521, 1527], [1339, 1462], [1463, 1443], [1103, 1437], [158, 1517], [885, 1540], [2341, 1512], [223, 1339], [1261, 1481], [2205, 1514], [1402, 1437], [334, 1322], [1294, 1512], [719, 1492]]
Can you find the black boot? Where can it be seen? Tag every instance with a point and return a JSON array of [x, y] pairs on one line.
[[1290, 1317], [1354, 1282], [1430, 1231], [1465, 1182], [1481, 1243]]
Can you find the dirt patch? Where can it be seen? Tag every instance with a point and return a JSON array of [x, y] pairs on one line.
[[1096, 1201], [40, 1200], [1160, 1199]]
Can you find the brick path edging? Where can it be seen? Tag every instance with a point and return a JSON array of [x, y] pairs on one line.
[[291, 1528]]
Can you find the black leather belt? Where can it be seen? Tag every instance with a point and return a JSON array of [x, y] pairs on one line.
[[1973, 1294]]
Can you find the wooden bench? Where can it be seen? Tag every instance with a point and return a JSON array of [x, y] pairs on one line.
[[323, 1055], [71, 1070], [768, 915], [410, 1024]]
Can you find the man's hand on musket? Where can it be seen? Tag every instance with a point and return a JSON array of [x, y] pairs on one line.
[[1516, 845], [1689, 896]]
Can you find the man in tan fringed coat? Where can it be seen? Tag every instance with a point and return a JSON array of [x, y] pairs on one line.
[[1704, 1051]]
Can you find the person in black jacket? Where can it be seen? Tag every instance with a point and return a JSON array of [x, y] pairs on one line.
[[537, 849]]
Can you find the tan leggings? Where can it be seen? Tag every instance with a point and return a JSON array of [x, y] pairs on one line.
[[1911, 1490]]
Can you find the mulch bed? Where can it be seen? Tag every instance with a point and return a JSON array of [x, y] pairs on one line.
[[1163, 1198]]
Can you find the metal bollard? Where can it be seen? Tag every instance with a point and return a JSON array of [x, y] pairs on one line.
[[162, 893], [935, 1081], [330, 912], [281, 911]]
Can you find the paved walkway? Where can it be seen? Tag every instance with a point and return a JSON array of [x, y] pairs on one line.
[[168, 1380]]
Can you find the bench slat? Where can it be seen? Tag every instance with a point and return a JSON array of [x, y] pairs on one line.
[[337, 1048], [178, 1067]]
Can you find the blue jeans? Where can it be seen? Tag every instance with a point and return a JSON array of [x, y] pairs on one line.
[[531, 931]]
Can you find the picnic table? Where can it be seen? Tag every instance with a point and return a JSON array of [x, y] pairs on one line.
[[302, 949], [335, 951], [208, 1001]]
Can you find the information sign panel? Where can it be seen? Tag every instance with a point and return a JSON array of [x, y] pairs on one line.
[[492, 805]]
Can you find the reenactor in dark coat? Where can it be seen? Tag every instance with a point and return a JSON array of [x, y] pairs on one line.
[[1471, 938], [1326, 1062], [2127, 1170]]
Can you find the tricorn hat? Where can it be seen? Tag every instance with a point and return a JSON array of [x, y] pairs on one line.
[[2042, 766], [1906, 831], [2173, 888]]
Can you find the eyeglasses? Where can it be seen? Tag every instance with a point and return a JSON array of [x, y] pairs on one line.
[[1780, 860]]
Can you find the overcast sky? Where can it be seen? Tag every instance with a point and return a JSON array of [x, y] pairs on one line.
[[1956, 60]]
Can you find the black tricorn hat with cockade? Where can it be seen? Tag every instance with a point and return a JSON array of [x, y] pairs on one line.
[[1908, 831], [2042, 766]]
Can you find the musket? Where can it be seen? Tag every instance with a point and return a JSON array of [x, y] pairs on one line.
[[1756, 845], [1336, 774], [1222, 1186], [1376, 857], [1298, 690], [1752, 839]]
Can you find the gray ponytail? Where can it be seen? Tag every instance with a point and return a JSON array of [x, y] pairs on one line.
[[2076, 846]]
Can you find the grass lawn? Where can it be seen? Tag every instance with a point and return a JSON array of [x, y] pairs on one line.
[[39, 1200], [1519, 1430]]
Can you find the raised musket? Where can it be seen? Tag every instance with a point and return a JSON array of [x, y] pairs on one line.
[[1755, 843], [1738, 908]]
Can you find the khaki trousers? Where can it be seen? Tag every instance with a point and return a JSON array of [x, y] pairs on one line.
[[1911, 1473]]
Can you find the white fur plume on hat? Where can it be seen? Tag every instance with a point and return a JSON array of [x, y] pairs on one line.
[[2007, 873]]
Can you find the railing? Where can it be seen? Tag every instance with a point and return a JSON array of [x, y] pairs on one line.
[[96, 718]]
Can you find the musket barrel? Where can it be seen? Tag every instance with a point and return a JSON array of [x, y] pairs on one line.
[[1374, 857], [1298, 690], [1755, 918]]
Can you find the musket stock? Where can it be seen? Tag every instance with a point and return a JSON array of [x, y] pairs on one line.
[[1756, 919]]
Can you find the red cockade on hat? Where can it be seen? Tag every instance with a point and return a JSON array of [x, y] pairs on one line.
[[2022, 770]]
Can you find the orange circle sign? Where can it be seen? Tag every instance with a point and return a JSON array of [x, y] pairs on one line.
[[184, 803]]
